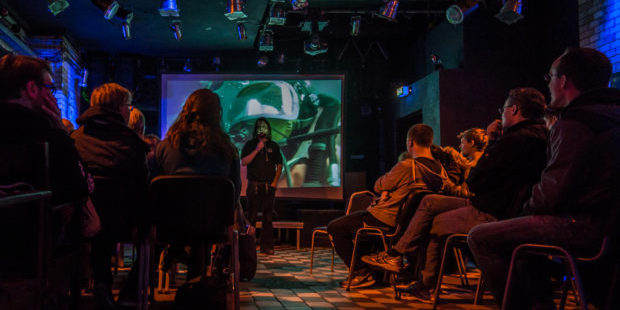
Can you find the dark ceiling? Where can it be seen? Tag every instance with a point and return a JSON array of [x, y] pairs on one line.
[[205, 28]]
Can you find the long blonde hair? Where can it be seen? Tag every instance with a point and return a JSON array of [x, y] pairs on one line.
[[198, 126]]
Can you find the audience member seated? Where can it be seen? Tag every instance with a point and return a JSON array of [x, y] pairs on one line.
[[570, 204], [116, 157], [29, 115], [137, 122], [500, 183], [420, 172], [197, 144]]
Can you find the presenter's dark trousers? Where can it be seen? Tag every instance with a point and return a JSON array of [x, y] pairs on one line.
[[260, 198]]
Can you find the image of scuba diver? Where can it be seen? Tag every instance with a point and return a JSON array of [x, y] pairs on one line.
[[304, 123]]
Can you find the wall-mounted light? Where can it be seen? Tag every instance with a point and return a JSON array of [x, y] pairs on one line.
[[57, 6], [277, 14], [510, 12], [126, 17], [234, 10], [315, 46], [169, 8], [108, 7]]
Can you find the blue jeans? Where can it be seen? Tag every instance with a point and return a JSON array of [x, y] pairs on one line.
[[492, 245]]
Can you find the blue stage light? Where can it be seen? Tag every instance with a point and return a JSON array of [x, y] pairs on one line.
[[389, 11], [169, 8]]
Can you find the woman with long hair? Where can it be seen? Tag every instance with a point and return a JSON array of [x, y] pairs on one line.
[[197, 144]]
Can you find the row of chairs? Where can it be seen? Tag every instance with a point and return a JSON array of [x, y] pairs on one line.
[[457, 244]]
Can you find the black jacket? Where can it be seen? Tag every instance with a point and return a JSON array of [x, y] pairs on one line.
[[116, 157], [584, 150], [503, 178], [19, 125]]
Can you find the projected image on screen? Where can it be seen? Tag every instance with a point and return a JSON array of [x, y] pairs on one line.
[[304, 114]]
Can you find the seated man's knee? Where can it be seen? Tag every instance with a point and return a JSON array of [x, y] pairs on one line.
[[476, 235]]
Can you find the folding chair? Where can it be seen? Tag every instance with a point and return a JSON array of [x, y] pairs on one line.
[[357, 201], [456, 242], [197, 209], [388, 235]]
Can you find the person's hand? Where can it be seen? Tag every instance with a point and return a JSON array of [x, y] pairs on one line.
[[385, 195], [261, 143], [50, 107], [494, 130]]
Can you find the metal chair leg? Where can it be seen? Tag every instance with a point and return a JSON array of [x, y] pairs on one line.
[[441, 271], [352, 264], [312, 250], [479, 290]]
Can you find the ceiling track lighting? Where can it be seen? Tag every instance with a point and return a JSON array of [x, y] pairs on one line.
[[456, 13], [176, 28], [510, 12], [169, 8], [57, 6], [277, 14], [241, 34], [126, 17], [389, 11], [299, 4], [234, 10], [356, 21], [108, 7]]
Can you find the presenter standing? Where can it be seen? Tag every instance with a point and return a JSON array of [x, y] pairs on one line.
[[264, 162]]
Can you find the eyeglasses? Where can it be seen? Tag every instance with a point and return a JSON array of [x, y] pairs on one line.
[[51, 87], [548, 76], [502, 109]]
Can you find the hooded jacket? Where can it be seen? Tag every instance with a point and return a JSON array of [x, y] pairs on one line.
[[399, 182], [581, 175], [116, 157]]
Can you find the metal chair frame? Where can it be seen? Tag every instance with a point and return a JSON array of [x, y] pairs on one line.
[[323, 229]]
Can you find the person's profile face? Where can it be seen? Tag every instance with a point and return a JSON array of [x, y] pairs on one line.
[[46, 92], [555, 86], [466, 147]]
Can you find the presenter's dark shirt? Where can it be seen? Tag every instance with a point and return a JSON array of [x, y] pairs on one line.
[[263, 167]]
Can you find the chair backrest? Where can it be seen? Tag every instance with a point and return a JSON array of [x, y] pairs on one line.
[[408, 208], [27, 162], [359, 201], [192, 208]]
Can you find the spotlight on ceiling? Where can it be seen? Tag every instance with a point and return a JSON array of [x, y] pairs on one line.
[[456, 13], [234, 10], [176, 27], [109, 7], [389, 11], [299, 4], [57, 6], [277, 14], [355, 25], [126, 17], [188, 65], [314, 46], [262, 61], [241, 34], [169, 8], [265, 42], [510, 12]]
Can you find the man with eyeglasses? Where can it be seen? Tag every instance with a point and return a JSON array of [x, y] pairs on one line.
[[576, 201], [500, 183], [29, 116]]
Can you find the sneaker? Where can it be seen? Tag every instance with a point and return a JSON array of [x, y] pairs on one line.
[[420, 293], [384, 261], [359, 281]]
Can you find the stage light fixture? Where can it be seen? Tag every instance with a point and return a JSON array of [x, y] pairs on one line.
[[169, 8], [265, 42], [299, 4], [356, 21], [456, 13], [510, 12], [234, 10], [126, 17], [277, 14], [389, 11], [188, 65], [262, 61], [108, 7], [314, 46], [176, 27], [84, 81], [57, 6], [403, 91], [241, 34]]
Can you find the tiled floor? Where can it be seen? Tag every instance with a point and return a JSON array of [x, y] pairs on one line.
[[283, 281]]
